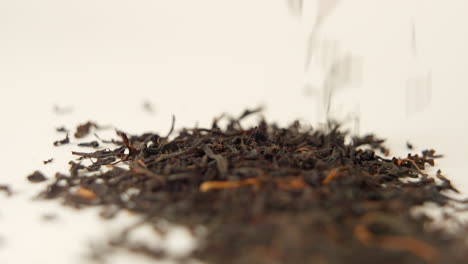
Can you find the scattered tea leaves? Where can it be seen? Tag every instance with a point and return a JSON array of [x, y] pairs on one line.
[[36, 176], [61, 129], [84, 129], [48, 161], [148, 107], [62, 110], [64, 141], [6, 189], [93, 144], [409, 146], [49, 217]]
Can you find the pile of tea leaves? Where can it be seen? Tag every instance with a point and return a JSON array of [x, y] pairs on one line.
[[272, 195]]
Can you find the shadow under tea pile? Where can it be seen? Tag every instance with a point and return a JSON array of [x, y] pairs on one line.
[[269, 194]]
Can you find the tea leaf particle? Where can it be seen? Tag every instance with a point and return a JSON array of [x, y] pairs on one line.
[[37, 176]]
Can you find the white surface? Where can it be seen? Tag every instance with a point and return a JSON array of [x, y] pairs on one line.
[[197, 59]]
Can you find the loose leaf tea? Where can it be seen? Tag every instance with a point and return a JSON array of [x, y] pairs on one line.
[[148, 107], [49, 217], [409, 146], [6, 189], [48, 161], [93, 144], [270, 194], [61, 129], [84, 129], [62, 110], [64, 141], [37, 176]]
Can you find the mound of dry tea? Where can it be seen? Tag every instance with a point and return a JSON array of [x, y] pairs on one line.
[[270, 194]]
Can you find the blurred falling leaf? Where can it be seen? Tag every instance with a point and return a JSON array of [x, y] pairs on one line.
[[343, 70], [295, 7], [148, 107], [418, 93], [328, 68], [324, 9], [413, 40]]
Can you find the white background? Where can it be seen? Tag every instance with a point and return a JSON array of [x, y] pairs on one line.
[[197, 59]]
